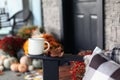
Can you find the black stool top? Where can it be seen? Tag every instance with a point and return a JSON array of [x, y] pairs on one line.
[[65, 57]]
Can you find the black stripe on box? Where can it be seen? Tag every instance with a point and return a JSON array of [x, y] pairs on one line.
[[116, 74], [97, 60]]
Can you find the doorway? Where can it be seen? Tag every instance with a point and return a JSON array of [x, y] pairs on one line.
[[82, 25]]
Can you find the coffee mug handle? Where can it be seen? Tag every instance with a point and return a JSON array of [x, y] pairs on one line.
[[48, 47]]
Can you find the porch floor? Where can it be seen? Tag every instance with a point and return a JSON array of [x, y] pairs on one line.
[[64, 74]]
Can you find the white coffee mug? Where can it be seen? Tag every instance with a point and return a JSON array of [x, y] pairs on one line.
[[36, 46]]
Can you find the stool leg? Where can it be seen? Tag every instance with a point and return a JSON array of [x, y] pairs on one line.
[[50, 70]]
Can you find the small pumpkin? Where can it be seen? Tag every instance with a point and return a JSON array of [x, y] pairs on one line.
[[14, 67], [2, 58], [1, 68], [22, 68], [25, 60], [2, 52], [25, 47], [6, 63], [30, 67], [37, 63], [1, 62], [13, 60]]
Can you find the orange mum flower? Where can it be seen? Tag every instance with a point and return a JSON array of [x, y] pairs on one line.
[[27, 31]]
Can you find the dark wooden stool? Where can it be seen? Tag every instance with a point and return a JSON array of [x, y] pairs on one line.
[[51, 64]]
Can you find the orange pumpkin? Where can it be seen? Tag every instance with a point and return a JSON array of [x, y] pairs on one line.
[[14, 67], [22, 68], [25, 47]]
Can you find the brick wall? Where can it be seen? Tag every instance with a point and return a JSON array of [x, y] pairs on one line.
[[112, 20]]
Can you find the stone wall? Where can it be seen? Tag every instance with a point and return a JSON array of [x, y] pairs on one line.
[[112, 23], [112, 20], [51, 17]]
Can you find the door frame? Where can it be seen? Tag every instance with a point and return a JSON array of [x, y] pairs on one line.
[[101, 21]]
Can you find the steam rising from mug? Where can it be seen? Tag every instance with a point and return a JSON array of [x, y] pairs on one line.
[[36, 46]]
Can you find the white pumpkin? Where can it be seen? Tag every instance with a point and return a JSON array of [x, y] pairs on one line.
[[2, 52], [1, 68], [25, 60], [13, 60], [2, 58], [1, 62], [30, 68], [37, 63], [6, 63]]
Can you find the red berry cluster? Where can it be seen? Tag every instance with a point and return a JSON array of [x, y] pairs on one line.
[[78, 67], [77, 70]]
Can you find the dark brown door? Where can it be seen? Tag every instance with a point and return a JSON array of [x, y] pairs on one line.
[[83, 25]]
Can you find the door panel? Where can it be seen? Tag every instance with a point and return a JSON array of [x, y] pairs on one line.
[[85, 35], [93, 29]]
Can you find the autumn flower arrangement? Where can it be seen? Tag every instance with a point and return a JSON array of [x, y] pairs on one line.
[[11, 44], [78, 67], [56, 49], [26, 31]]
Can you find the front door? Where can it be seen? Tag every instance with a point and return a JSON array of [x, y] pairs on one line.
[[83, 29]]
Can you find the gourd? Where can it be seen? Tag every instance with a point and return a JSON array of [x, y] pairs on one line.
[[25, 47], [1, 62], [2, 58], [6, 63], [25, 60], [14, 67], [22, 68], [3, 52], [13, 60], [37, 63], [1, 68], [30, 67]]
